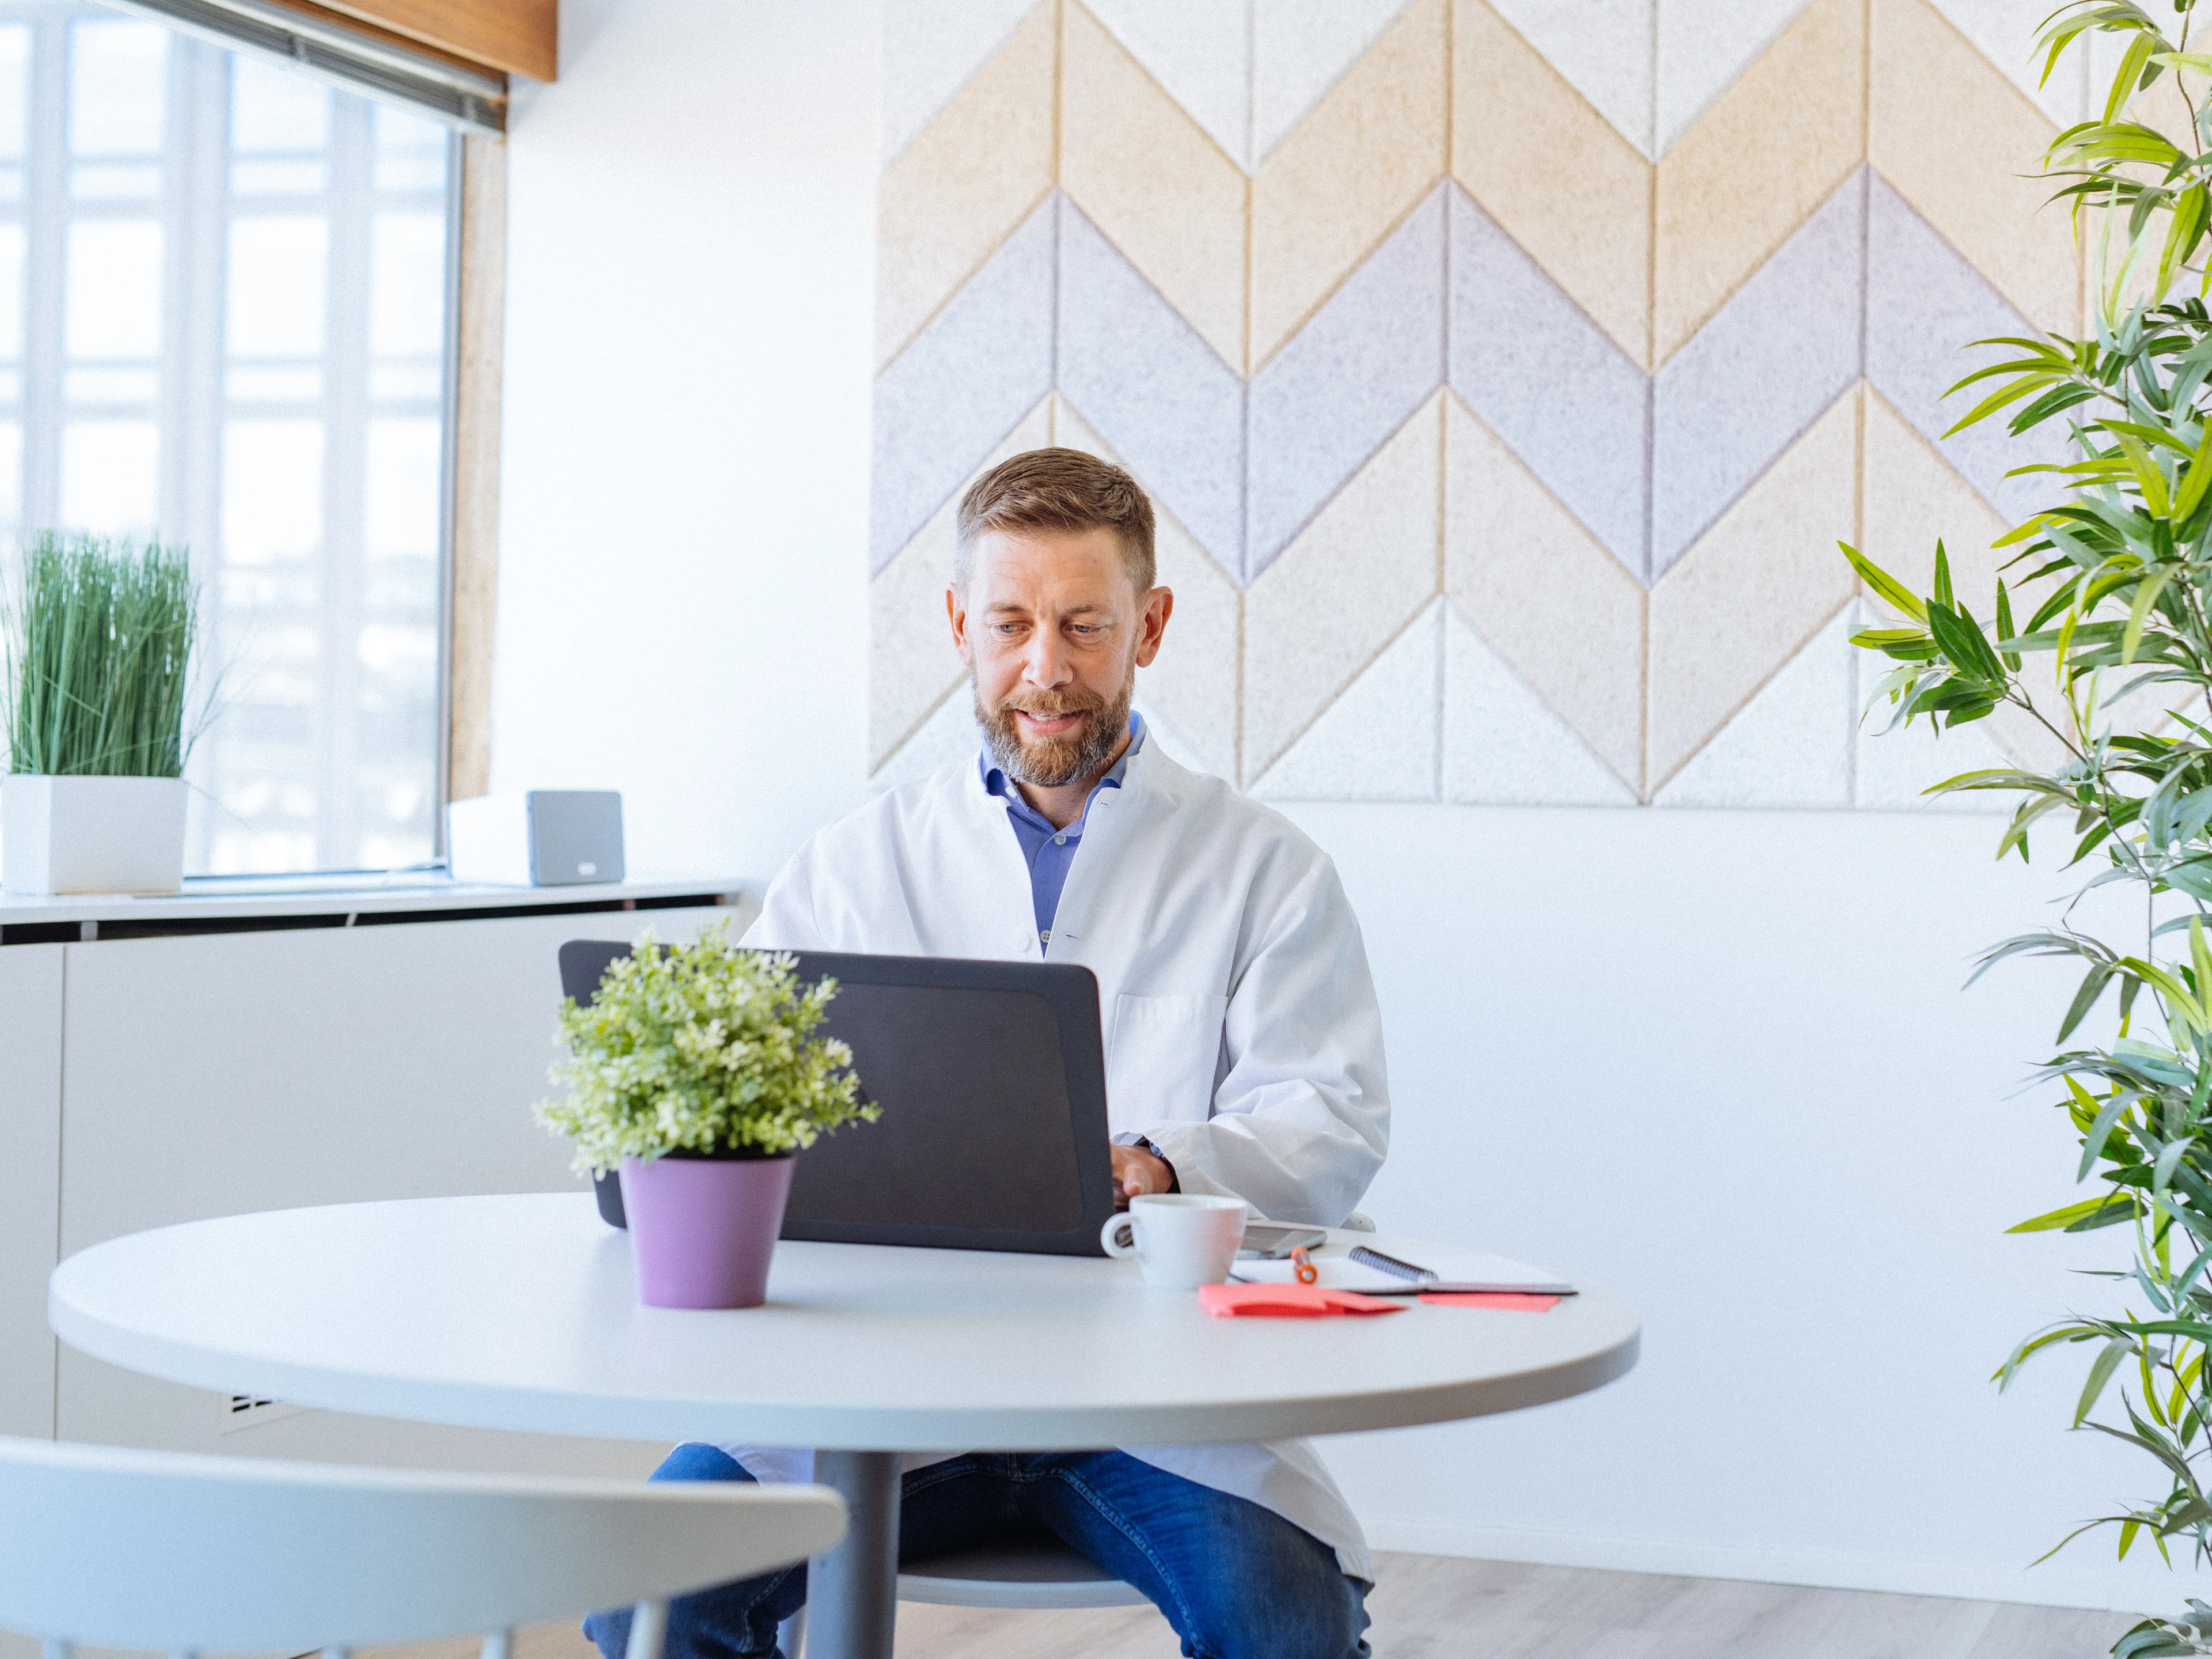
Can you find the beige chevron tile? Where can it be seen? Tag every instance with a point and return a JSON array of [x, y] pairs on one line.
[[1379, 739], [930, 50], [964, 183], [1768, 151], [1605, 50], [1955, 137], [1554, 173], [1913, 499], [1191, 683], [911, 665], [1751, 590], [1200, 54], [1333, 189], [1701, 48], [1343, 589], [1151, 179], [1300, 48], [1552, 602], [1791, 744], [2003, 32]]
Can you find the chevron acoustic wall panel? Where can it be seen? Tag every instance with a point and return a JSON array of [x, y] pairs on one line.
[[1505, 371]]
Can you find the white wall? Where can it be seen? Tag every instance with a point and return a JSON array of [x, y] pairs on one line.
[[1720, 1062], [1717, 1060], [684, 480]]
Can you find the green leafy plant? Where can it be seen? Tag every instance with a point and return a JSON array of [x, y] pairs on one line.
[[704, 1047], [2103, 640], [99, 646]]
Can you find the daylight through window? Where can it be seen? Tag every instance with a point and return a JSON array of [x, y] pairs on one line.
[[225, 316]]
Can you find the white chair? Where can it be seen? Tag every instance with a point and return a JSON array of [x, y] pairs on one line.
[[1030, 1574], [123, 1548]]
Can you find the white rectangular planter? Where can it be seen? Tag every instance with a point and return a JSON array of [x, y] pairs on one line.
[[71, 834]]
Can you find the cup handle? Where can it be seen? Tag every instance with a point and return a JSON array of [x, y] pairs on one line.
[[1119, 1235]]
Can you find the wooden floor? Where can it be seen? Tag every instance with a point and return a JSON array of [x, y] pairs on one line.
[[1432, 1607]]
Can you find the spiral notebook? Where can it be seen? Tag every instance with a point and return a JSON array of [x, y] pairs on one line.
[[1459, 1272]]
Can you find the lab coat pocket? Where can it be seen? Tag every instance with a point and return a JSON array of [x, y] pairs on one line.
[[1161, 1067]]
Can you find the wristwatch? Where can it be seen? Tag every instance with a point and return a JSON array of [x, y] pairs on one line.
[[1174, 1183]]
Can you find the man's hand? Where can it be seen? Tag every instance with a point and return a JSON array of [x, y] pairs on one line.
[[1136, 1172]]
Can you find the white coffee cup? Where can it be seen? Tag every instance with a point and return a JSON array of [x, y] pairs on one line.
[[1183, 1240]]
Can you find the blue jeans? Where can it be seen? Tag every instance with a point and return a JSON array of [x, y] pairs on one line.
[[1237, 1580]]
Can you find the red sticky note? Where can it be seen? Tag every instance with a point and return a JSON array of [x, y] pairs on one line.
[[1492, 1299], [1288, 1302]]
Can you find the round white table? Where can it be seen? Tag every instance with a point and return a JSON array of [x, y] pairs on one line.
[[521, 1312]]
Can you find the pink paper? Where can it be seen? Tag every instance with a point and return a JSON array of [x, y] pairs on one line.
[[1491, 1299], [1288, 1302]]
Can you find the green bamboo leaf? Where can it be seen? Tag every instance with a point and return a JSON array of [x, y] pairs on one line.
[[1885, 586], [2092, 986], [2093, 1144], [2186, 1010], [2143, 467], [2147, 592], [2169, 1159], [2108, 1361], [2185, 230], [2194, 481], [2011, 393], [2089, 1213]]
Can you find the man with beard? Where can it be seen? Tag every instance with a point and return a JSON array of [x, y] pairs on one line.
[[1244, 1049]]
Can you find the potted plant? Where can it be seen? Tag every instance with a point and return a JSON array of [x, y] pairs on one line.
[[99, 646], [2104, 638], [696, 1071]]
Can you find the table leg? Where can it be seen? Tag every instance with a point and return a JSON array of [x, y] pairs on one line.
[[851, 1593]]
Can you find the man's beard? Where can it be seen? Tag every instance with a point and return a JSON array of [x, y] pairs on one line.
[[1050, 762]]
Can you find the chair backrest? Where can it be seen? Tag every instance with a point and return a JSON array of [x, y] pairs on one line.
[[140, 1549]]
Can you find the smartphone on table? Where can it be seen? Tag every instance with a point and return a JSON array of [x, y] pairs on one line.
[[1266, 1241]]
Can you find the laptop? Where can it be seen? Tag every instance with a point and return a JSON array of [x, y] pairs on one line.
[[991, 1080]]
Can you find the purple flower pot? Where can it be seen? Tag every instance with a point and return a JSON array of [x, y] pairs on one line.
[[704, 1229]]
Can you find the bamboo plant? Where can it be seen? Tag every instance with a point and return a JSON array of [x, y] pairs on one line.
[[100, 645], [2102, 637]]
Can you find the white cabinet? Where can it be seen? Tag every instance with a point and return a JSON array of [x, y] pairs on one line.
[[213, 1073], [30, 1149]]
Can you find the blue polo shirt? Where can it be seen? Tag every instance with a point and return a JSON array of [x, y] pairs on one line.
[[1049, 849]]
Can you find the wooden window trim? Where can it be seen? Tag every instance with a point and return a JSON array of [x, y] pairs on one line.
[[515, 37]]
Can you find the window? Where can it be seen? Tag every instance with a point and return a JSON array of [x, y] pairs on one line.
[[225, 316]]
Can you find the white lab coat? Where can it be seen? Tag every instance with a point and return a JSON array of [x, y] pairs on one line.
[[1241, 1029]]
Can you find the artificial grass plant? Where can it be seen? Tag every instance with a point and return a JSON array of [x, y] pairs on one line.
[[100, 644]]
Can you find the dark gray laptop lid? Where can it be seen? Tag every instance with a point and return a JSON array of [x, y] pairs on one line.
[[993, 1084]]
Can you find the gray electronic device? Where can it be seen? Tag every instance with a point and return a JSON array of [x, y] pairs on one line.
[[536, 838], [1269, 1241], [992, 1079]]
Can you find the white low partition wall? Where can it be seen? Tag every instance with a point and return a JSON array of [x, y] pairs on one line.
[[162, 1061]]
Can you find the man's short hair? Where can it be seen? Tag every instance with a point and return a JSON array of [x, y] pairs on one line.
[[1059, 489]]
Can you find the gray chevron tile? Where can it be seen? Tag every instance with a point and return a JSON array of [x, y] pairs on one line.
[[961, 385], [1550, 382], [1346, 382]]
